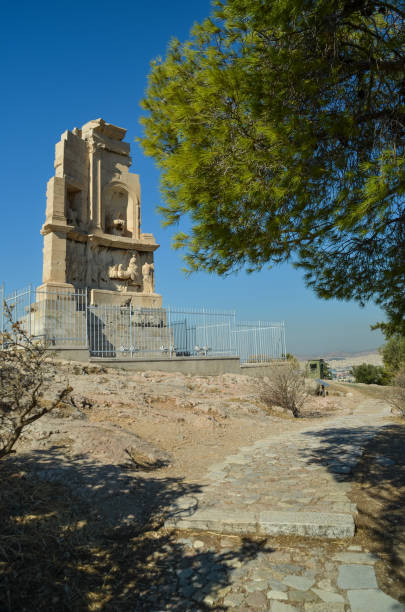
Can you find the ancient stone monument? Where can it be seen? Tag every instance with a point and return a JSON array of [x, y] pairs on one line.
[[92, 232]]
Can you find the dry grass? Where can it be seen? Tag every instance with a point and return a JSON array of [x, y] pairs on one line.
[[38, 541], [57, 555], [373, 391], [379, 491]]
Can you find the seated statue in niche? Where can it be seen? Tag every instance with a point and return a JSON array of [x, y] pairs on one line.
[[129, 274], [148, 277], [73, 207], [115, 205], [115, 225], [71, 217]]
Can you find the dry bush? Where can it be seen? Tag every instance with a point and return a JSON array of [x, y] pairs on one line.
[[26, 373], [397, 397], [286, 388]]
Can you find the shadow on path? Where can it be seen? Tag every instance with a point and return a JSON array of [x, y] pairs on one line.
[[374, 462], [77, 535]]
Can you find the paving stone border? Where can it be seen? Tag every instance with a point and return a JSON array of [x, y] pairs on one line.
[[310, 524]]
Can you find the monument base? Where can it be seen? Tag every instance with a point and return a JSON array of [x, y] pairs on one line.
[[107, 323], [58, 315], [100, 297], [50, 290]]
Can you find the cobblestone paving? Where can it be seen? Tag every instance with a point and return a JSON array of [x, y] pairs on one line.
[[313, 576], [308, 471], [305, 471], [286, 475]]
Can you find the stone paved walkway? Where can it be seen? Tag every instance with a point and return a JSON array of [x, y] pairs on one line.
[[315, 577], [294, 484]]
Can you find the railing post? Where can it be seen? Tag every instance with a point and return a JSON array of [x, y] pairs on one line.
[[131, 346], [170, 331], [205, 328], [86, 318], [284, 340], [29, 309]]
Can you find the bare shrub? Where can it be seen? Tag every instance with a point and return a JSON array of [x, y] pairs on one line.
[[26, 373], [397, 397], [286, 388]]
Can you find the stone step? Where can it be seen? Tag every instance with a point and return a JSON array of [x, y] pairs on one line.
[[307, 524]]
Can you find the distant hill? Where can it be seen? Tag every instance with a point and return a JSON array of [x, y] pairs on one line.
[[339, 354], [343, 359]]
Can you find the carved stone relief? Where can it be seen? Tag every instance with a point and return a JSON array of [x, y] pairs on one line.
[[100, 267], [129, 274]]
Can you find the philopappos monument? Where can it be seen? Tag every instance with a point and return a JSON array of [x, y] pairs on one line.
[[92, 232]]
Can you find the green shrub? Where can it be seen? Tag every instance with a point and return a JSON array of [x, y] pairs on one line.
[[371, 374], [393, 353]]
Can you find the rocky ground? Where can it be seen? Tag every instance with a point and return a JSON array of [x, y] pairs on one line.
[[90, 490]]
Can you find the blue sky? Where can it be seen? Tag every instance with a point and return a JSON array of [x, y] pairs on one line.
[[64, 63]]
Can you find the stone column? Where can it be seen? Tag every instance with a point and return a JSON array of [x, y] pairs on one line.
[[55, 201], [54, 269], [54, 232]]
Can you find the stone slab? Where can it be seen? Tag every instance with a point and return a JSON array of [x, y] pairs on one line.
[[356, 577], [302, 583], [233, 600], [362, 558], [324, 607], [278, 606], [373, 600], [235, 522], [329, 596], [277, 595], [309, 524]]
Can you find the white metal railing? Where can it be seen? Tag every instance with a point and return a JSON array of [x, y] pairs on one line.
[[260, 343], [58, 316], [159, 332], [67, 320]]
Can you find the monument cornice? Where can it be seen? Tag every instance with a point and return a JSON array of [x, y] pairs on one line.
[[121, 242], [118, 242], [61, 227], [78, 236]]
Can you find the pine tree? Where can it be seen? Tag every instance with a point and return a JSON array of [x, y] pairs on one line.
[[279, 130]]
